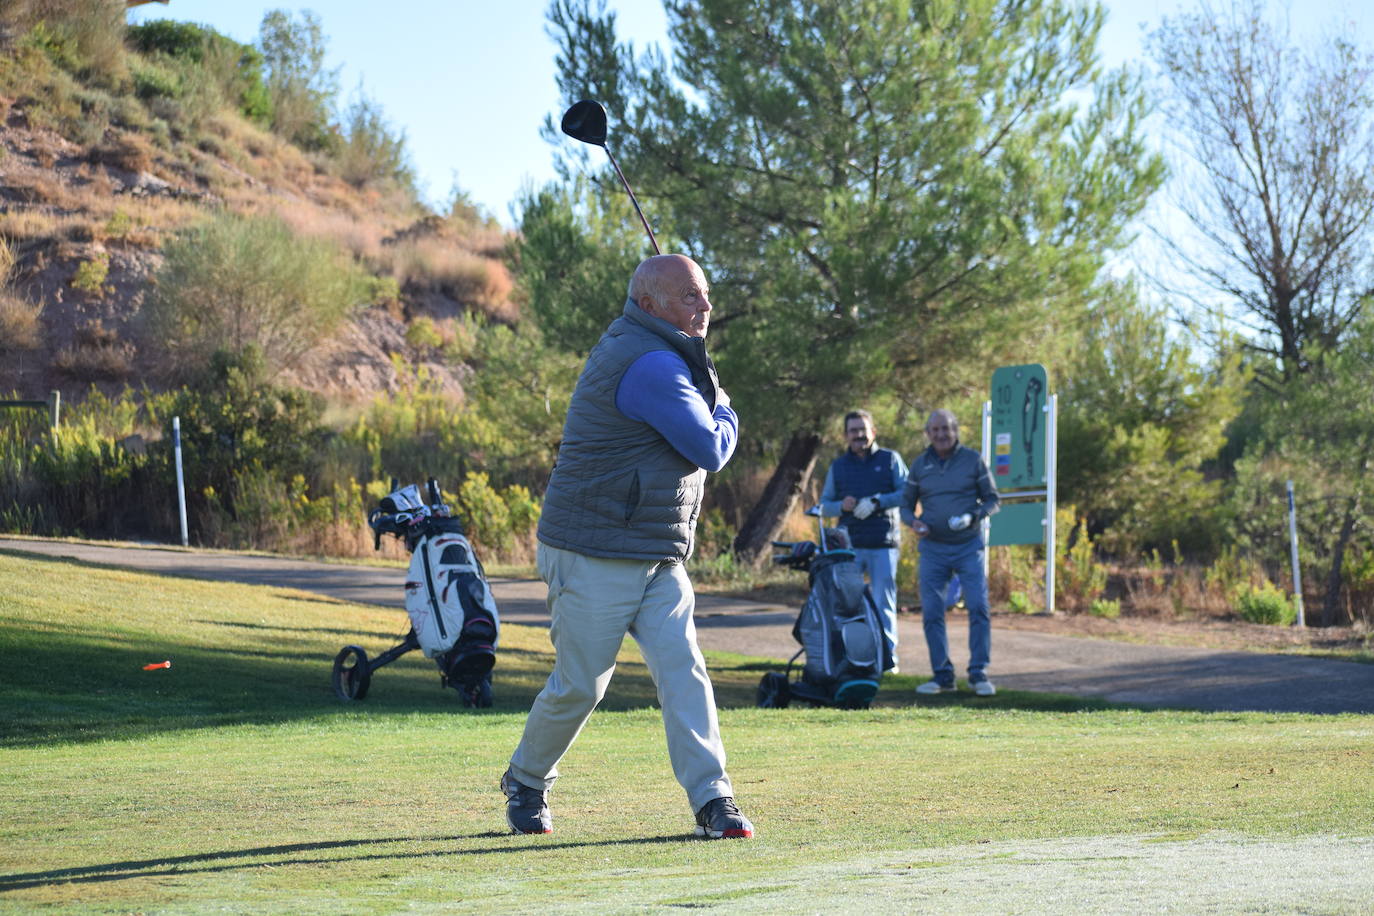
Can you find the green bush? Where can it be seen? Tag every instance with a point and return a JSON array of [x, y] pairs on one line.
[[186, 60], [90, 275], [1105, 608], [1079, 578], [1019, 603], [1266, 604], [241, 281], [83, 37]]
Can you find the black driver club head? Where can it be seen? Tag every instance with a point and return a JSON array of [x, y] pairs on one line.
[[586, 121]]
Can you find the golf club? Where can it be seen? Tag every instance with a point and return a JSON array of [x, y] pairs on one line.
[[586, 121]]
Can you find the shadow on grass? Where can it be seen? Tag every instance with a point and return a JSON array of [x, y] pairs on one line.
[[177, 865]]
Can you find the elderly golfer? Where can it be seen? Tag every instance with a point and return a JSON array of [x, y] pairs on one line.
[[955, 491], [647, 420]]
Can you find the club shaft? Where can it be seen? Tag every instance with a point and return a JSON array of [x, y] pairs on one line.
[[652, 241]]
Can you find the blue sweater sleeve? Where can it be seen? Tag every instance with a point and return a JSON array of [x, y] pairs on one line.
[[657, 389]]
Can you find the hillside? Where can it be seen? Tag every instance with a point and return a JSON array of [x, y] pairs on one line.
[[98, 173]]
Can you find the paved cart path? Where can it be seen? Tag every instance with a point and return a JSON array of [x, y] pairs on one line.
[[1125, 672]]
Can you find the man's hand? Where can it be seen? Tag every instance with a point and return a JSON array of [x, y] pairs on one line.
[[848, 503], [866, 507], [960, 522], [920, 527], [722, 399]]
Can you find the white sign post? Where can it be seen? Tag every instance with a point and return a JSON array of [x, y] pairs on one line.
[[1293, 547], [181, 486]]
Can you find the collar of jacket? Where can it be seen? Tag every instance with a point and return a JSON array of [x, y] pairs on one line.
[[692, 349]]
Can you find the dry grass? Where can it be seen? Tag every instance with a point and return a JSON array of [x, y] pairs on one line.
[[20, 327], [130, 152], [442, 265], [361, 237], [96, 354]]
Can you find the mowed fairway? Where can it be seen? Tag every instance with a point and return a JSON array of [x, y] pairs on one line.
[[234, 781]]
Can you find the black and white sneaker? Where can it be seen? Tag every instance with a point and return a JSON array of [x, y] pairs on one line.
[[527, 809], [720, 818]]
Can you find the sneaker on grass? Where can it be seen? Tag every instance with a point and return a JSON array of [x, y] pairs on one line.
[[930, 688], [527, 809], [984, 688], [720, 818]]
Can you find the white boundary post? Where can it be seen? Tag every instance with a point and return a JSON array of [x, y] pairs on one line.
[[181, 486], [1293, 547], [986, 524], [1051, 473]]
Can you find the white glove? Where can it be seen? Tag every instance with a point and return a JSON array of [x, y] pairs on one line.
[[722, 399], [960, 522], [866, 507]]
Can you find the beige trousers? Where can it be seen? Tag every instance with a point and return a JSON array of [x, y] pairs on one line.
[[593, 603]]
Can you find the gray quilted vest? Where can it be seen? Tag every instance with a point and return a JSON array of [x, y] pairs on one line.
[[618, 488]]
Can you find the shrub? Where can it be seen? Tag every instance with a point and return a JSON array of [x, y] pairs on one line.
[[20, 328], [1079, 578], [196, 61], [1105, 608], [241, 281], [423, 334], [91, 275], [1266, 604], [84, 37], [1019, 603]]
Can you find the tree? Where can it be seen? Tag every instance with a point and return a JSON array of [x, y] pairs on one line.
[[371, 152], [1318, 431], [574, 255], [301, 88], [1282, 144], [1139, 420], [884, 194]]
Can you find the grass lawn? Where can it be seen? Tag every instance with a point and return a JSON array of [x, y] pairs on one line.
[[235, 781]]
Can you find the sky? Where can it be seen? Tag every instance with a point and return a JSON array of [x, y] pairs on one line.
[[471, 81]]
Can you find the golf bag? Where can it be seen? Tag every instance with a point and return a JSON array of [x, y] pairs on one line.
[[453, 615], [838, 629]]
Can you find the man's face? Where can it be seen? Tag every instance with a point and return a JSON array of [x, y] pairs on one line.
[[683, 300], [943, 432], [859, 433]]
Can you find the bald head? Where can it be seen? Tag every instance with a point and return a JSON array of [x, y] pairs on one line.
[[673, 287]]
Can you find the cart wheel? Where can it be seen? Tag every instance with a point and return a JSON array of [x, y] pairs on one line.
[[774, 691], [352, 676]]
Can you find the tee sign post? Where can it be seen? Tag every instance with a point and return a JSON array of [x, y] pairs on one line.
[[1019, 439]]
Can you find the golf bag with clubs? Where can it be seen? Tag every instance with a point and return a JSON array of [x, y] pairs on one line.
[[452, 612], [838, 628]]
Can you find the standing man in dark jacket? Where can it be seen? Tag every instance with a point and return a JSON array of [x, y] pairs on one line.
[[864, 489], [647, 420], [952, 484]]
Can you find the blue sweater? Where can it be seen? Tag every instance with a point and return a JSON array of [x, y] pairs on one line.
[[657, 389]]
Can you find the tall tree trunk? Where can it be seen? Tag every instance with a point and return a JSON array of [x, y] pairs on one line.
[[754, 542], [1331, 604]]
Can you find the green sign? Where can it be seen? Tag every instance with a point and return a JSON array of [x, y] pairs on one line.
[[1018, 523], [1019, 395]]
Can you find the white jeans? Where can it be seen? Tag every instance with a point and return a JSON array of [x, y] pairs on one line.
[[593, 603]]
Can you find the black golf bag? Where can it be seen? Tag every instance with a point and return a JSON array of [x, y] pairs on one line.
[[452, 612], [838, 629]]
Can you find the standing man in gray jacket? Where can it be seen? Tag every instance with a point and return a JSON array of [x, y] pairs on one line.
[[952, 484], [647, 420]]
